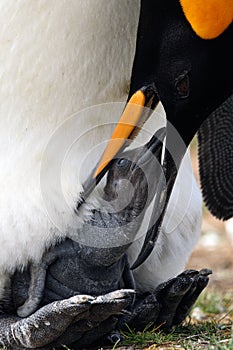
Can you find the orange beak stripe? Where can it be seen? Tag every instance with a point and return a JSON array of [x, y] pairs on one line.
[[123, 130]]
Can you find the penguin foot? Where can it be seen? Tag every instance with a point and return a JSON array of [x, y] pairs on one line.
[[169, 304], [81, 320]]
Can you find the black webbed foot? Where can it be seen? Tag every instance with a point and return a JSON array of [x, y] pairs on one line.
[[170, 296], [169, 304], [200, 281]]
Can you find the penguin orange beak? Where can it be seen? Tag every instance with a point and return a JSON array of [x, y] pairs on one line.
[[124, 130], [133, 117]]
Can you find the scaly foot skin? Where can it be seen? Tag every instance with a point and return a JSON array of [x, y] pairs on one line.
[[170, 303], [80, 319], [178, 298]]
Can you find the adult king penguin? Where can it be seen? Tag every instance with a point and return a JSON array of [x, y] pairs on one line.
[[184, 59], [57, 60]]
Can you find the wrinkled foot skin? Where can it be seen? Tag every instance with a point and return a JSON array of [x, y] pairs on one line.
[[101, 321], [79, 319], [169, 304]]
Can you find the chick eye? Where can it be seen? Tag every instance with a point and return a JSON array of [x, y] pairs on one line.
[[122, 162]]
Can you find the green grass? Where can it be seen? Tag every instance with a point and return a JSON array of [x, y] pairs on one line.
[[205, 335], [213, 331]]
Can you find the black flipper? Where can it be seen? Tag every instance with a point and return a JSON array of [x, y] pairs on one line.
[[215, 138]]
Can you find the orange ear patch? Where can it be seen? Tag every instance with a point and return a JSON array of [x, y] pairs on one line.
[[208, 18]]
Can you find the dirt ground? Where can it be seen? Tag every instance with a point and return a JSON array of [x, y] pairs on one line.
[[214, 251]]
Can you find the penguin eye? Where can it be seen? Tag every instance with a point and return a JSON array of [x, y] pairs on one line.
[[123, 162], [182, 85]]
